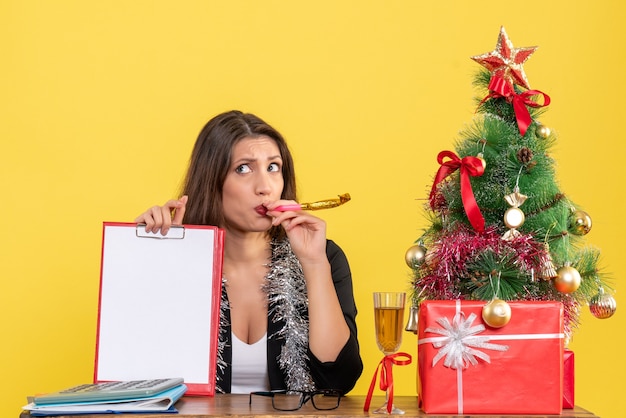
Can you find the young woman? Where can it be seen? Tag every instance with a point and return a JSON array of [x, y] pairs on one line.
[[288, 310]]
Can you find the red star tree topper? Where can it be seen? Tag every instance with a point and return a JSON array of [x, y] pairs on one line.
[[506, 61]]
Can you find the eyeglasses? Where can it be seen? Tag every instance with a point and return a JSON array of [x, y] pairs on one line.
[[292, 400]]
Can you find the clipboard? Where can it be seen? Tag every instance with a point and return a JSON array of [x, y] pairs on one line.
[[159, 304]]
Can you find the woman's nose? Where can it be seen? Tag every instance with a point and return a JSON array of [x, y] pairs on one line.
[[263, 184]]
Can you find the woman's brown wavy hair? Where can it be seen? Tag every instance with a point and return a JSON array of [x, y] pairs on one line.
[[210, 161]]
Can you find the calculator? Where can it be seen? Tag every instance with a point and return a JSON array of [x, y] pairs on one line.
[[109, 391]]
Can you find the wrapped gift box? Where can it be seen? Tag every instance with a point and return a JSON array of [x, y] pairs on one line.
[[568, 379], [515, 369]]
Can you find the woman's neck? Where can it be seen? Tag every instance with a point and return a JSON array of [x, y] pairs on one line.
[[246, 248]]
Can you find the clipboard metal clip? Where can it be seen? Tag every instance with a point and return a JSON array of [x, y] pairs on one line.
[[175, 232]]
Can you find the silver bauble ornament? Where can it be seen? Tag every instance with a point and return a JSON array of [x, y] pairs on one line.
[[496, 313], [602, 306]]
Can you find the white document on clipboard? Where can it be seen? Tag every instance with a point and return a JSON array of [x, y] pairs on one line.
[[159, 305]]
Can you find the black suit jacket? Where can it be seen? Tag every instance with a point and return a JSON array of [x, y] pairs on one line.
[[340, 374]]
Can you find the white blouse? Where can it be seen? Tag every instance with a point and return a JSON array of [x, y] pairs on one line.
[[249, 366]]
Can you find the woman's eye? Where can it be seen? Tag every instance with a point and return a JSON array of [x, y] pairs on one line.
[[243, 168], [274, 167]]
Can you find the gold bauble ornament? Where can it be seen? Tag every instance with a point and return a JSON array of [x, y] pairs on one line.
[[432, 257], [543, 131], [580, 223], [514, 218], [567, 279], [481, 157], [496, 313], [415, 255], [602, 306]]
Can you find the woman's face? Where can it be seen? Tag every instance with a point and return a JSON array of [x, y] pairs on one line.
[[254, 178]]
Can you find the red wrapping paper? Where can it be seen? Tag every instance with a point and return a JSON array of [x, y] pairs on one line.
[[568, 379], [524, 378]]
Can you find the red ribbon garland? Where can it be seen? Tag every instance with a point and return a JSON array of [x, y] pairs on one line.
[[386, 378], [499, 87], [470, 166]]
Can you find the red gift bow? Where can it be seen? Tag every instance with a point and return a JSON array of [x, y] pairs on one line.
[[499, 87], [470, 166], [386, 378]]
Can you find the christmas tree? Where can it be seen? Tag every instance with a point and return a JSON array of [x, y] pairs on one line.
[[500, 227]]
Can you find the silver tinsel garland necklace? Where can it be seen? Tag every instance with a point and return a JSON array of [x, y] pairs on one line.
[[287, 297]]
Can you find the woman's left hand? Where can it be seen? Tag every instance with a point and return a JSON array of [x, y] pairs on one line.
[[307, 233]]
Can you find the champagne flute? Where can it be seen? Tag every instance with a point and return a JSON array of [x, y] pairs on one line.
[[388, 321]]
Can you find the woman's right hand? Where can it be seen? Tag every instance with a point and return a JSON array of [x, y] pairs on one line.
[[161, 218]]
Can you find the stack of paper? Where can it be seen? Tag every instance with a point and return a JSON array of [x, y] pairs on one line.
[[161, 402]]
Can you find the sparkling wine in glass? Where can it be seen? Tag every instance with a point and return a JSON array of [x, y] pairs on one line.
[[388, 321]]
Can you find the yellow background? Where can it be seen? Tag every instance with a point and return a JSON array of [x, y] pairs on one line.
[[102, 101]]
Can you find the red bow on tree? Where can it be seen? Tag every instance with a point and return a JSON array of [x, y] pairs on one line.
[[469, 166], [499, 87]]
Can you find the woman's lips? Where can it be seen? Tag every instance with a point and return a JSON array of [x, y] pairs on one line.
[[261, 210]]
